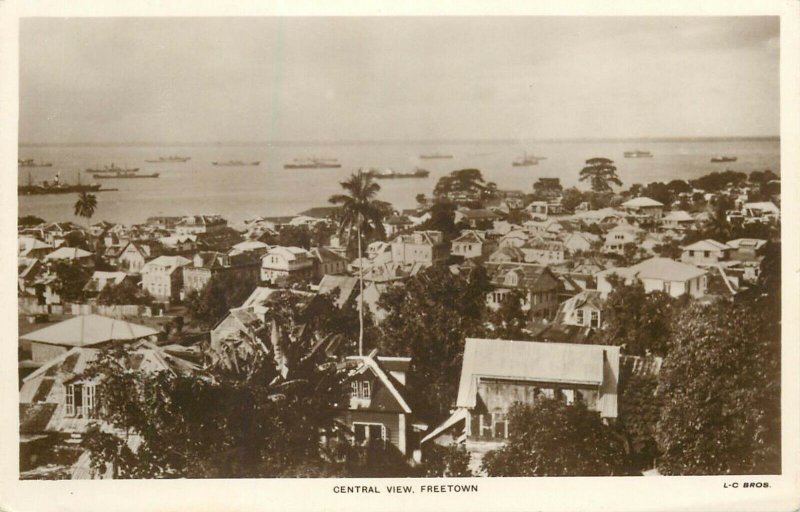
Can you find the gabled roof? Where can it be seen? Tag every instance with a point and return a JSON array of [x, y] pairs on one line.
[[678, 216], [477, 214], [170, 262], [564, 363], [326, 255], [666, 269], [512, 253], [530, 276], [319, 212], [345, 284], [368, 362], [288, 253], [747, 243], [88, 330], [471, 236], [67, 253], [707, 245], [641, 202]]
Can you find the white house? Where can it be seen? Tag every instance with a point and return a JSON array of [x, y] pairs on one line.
[[658, 274], [293, 262], [705, 252], [163, 277]]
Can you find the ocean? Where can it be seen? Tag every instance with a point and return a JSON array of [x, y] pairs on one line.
[[239, 193]]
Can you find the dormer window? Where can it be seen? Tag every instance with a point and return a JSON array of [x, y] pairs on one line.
[[365, 389], [511, 279]]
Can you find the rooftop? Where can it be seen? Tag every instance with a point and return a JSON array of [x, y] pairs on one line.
[[88, 330]]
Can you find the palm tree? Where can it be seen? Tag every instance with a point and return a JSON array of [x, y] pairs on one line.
[[85, 206], [360, 211]]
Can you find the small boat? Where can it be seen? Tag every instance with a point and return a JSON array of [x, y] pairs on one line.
[[724, 158], [638, 154], [313, 163], [434, 156], [113, 169], [526, 161], [391, 174], [30, 162], [236, 163], [123, 175], [170, 160]]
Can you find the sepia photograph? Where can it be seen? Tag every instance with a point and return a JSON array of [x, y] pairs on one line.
[[415, 248]]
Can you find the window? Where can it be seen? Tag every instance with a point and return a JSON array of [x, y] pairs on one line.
[[366, 432], [706, 254], [569, 394], [579, 313], [354, 389], [365, 389], [80, 400], [595, 319]]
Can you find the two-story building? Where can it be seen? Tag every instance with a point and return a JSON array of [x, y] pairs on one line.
[[288, 263], [537, 283], [133, 256], [377, 409], [580, 241], [207, 264], [496, 374], [619, 236], [677, 220], [473, 244], [644, 207], [583, 310], [327, 262], [544, 252], [426, 247], [163, 277]]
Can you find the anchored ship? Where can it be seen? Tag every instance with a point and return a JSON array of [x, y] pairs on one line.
[[170, 160], [313, 163], [54, 187], [112, 169], [123, 175], [526, 161], [718, 159], [391, 174], [638, 154], [236, 163], [29, 162], [434, 156]]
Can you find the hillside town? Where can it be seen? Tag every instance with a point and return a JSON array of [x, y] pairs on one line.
[[468, 336]]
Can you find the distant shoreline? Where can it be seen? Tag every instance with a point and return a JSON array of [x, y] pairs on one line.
[[776, 138]]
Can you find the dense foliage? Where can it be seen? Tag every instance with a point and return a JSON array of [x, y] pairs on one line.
[[70, 281], [428, 319], [508, 322], [720, 387], [29, 220], [551, 438], [445, 461], [223, 292], [469, 182], [638, 415], [124, 293]]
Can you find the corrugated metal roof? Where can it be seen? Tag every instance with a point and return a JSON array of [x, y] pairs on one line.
[[87, 330], [527, 360]]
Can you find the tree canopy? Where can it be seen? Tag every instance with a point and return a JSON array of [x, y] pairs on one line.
[[463, 181], [222, 292], [720, 386], [551, 438], [124, 293], [428, 319], [601, 173], [86, 205]]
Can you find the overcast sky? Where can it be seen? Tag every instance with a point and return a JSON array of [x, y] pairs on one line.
[[259, 79]]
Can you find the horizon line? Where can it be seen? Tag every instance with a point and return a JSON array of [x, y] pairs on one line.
[[345, 142]]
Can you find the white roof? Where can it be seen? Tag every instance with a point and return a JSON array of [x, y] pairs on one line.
[[87, 330], [666, 269], [117, 276], [747, 243], [289, 253], [641, 202], [170, 262], [707, 245], [764, 205], [67, 253], [566, 363], [678, 215], [250, 245]]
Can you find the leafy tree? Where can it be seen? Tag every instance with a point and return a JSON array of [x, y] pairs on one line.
[[721, 390], [465, 181], [421, 199], [761, 177], [660, 192], [518, 217], [638, 321], [443, 214], [445, 461], [571, 198], [716, 181], [639, 411], [679, 187], [70, 280], [669, 249], [601, 173], [428, 319], [85, 206], [124, 293], [223, 292], [360, 211], [29, 220], [547, 188], [509, 321], [551, 438]]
